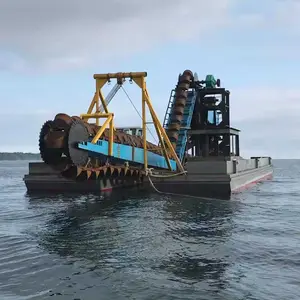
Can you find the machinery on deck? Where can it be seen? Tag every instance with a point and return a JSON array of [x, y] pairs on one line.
[[195, 139], [82, 149], [197, 119]]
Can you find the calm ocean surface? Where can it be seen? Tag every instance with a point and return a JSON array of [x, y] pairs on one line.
[[151, 247]]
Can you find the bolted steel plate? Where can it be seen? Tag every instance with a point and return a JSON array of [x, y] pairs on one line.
[[78, 133], [48, 155]]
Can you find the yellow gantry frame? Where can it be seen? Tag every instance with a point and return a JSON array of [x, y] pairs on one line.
[[139, 79]]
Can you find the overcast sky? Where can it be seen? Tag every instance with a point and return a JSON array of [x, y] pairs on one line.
[[49, 51]]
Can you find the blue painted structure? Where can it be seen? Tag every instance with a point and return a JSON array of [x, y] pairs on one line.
[[127, 153], [210, 116], [169, 109], [186, 121]]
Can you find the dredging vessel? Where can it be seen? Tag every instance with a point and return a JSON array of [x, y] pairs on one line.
[[198, 153]]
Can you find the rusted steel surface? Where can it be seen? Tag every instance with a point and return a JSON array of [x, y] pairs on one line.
[[50, 156], [55, 139], [181, 94], [63, 121], [108, 171]]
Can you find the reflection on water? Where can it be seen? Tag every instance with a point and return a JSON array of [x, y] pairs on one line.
[[202, 217], [84, 224], [137, 246], [184, 238], [201, 229]]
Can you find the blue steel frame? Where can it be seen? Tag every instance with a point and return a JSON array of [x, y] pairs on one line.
[[186, 123], [127, 153]]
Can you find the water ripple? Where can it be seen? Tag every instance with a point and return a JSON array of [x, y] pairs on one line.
[[136, 246]]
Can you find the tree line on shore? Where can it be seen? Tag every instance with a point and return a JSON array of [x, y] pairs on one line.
[[19, 156]]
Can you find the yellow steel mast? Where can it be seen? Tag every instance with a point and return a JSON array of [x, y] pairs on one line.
[[139, 79]]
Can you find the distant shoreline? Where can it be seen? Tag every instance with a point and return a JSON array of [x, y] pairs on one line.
[[19, 156]]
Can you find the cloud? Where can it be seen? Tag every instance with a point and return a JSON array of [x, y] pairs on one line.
[[43, 113], [270, 14], [268, 120], [72, 33], [260, 102], [286, 14], [53, 35], [22, 132], [273, 136]]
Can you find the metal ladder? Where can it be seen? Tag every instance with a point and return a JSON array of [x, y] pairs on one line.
[[169, 109], [186, 124]]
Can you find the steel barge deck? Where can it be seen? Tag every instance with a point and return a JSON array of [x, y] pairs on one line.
[[215, 179]]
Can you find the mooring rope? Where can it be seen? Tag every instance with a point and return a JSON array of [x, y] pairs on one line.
[[149, 174]]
